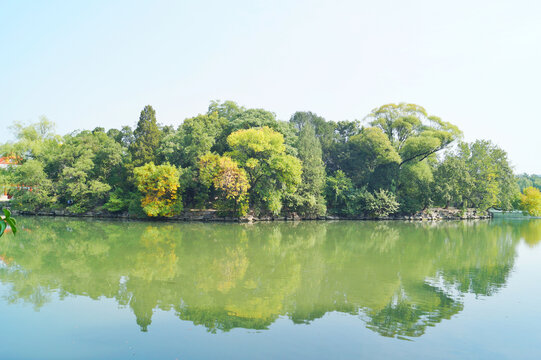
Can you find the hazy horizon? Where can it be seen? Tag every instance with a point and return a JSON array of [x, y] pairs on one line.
[[85, 65]]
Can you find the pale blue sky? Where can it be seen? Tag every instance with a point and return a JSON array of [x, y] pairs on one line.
[[98, 63]]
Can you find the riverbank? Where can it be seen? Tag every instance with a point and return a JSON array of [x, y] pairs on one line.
[[210, 215]]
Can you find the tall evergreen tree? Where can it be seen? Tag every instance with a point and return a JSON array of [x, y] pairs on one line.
[[310, 200], [147, 138]]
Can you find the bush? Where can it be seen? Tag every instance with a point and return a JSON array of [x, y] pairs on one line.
[[381, 203], [117, 202]]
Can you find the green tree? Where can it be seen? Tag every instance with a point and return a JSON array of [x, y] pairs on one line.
[[452, 181], [194, 138], [256, 118], [324, 130], [84, 169], [146, 138], [124, 136], [228, 179], [476, 175], [159, 186], [366, 152], [272, 173], [33, 141], [338, 191], [37, 190], [336, 151], [229, 110], [77, 186], [414, 134], [525, 180], [531, 201], [493, 181], [308, 200], [415, 183]]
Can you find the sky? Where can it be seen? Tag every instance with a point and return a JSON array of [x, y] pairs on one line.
[[83, 64]]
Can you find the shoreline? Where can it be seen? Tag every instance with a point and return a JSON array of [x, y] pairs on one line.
[[212, 216]]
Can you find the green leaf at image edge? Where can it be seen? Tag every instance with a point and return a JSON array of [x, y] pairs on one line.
[[12, 224]]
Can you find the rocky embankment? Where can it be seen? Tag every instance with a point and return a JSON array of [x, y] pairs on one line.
[[434, 214], [447, 214]]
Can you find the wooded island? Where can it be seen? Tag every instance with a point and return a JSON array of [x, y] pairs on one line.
[[238, 161]]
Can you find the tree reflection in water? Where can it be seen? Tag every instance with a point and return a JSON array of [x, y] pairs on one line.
[[397, 277]]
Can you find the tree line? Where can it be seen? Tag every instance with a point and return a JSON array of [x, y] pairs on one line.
[[398, 159]]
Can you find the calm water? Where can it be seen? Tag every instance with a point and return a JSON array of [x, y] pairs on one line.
[[104, 289]]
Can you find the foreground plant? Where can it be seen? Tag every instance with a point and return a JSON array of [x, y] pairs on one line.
[[7, 220]]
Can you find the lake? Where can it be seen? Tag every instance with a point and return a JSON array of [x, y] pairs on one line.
[[90, 289]]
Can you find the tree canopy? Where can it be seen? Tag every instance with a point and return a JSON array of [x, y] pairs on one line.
[[239, 160]]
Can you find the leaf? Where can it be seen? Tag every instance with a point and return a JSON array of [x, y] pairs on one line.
[[12, 224], [7, 212], [2, 226]]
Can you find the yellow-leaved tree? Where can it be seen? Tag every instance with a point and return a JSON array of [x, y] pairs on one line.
[[228, 179], [159, 186], [530, 201]]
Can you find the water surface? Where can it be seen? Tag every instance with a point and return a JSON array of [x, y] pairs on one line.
[[109, 289]]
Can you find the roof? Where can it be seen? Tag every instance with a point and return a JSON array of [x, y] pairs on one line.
[[8, 160]]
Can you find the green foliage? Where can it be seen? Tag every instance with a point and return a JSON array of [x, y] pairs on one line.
[[452, 181], [117, 202], [256, 118], [36, 190], [123, 136], [228, 179], [194, 138], [262, 164], [414, 187], [6, 221], [344, 199], [338, 190], [271, 172], [33, 141], [146, 138], [309, 152], [525, 180], [366, 152], [308, 200], [493, 182], [530, 201], [159, 186], [381, 204], [476, 175], [84, 168], [229, 110], [414, 134], [325, 130]]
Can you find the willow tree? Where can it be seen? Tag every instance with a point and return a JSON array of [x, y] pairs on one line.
[[417, 137], [367, 152], [412, 132]]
